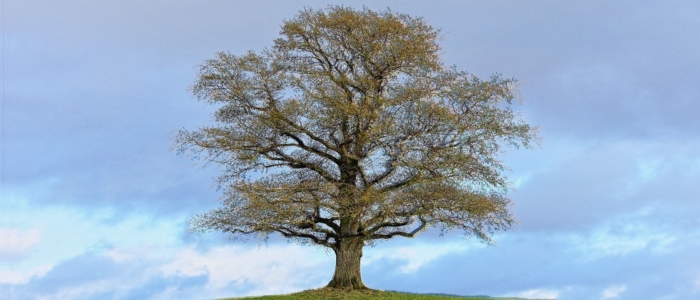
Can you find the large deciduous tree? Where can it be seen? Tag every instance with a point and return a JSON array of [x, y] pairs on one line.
[[354, 132]]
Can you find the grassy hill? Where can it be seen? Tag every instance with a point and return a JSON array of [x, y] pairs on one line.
[[339, 294]]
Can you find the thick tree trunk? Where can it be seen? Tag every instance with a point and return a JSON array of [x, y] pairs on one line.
[[347, 265]]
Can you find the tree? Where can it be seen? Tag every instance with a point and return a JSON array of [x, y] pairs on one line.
[[356, 133]]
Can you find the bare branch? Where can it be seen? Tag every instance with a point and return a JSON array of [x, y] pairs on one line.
[[422, 227]]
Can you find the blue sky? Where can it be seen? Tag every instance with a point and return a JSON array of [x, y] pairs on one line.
[[94, 204]]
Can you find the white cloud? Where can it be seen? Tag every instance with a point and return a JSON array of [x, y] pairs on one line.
[[613, 291], [271, 270], [80, 292], [18, 243], [626, 235], [140, 242], [61, 232], [539, 294], [19, 277], [125, 255], [227, 271], [415, 256]]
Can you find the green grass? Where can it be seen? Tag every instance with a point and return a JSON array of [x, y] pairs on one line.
[[340, 294]]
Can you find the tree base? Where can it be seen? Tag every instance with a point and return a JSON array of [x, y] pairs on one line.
[[346, 287], [347, 273]]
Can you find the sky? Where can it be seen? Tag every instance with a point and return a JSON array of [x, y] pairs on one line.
[[94, 203]]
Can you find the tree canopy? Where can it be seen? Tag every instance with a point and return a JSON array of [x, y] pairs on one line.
[[349, 130]]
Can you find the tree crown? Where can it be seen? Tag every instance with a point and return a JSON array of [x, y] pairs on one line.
[[359, 131]]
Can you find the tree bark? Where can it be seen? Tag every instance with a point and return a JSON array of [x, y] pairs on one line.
[[347, 265]]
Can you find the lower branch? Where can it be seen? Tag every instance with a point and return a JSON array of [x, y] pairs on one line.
[[422, 227]]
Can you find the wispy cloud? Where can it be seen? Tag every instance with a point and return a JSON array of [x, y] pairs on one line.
[[539, 294], [627, 235], [267, 270], [16, 243], [414, 255], [147, 273], [613, 292], [14, 277]]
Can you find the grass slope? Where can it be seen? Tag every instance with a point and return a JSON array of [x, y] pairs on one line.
[[340, 294]]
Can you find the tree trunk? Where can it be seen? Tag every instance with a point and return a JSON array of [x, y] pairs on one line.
[[347, 265]]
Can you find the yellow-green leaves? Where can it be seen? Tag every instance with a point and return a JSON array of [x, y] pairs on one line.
[[356, 131]]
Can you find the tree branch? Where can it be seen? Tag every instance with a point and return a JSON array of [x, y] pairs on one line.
[[422, 227], [289, 233]]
